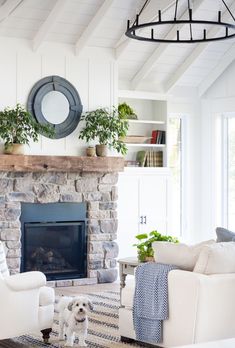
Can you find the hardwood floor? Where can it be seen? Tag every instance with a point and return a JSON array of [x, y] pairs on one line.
[[84, 289]]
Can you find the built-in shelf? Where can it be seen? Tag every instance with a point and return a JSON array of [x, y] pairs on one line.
[[145, 145], [146, 121]]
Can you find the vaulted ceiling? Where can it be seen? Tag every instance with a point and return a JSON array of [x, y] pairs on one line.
[[102, 23]]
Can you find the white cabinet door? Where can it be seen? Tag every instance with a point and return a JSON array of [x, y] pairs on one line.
[[128, 214], [153, 203]]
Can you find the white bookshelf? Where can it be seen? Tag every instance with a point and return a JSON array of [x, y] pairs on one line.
[[145, 122], [152, 115]]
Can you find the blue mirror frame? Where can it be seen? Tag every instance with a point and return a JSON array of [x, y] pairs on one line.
[[56, 83]]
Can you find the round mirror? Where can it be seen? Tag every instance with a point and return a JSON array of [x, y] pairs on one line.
[[54, 101], [55, 107]]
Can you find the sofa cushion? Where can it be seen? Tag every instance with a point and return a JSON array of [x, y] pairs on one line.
[[4, 272], [224, 235], [216, 258], [46, 296], [178, 254]]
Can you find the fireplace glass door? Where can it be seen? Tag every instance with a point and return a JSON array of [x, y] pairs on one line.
[[57, 249]]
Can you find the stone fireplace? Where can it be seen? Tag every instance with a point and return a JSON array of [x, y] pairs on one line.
[[96, 189]]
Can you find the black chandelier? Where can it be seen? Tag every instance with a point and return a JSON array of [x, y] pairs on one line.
[[135, 30]]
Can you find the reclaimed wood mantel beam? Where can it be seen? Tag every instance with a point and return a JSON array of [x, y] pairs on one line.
[[29, 163]]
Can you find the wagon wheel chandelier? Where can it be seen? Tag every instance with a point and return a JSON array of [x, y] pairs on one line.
[[135, 30]]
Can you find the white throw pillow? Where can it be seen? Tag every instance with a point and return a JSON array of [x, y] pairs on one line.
[[182, 255], [216, 258]]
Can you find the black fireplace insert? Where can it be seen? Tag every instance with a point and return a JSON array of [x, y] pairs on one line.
[[54, 239]]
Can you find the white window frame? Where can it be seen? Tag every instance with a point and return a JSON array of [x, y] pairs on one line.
[[225, 178], [183, 185]]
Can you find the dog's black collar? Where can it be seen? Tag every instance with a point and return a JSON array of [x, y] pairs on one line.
[[80, 320]]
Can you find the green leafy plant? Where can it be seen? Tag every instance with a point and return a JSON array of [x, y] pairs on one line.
[[107, 127], [125, 111], [144, 246], [17, 126]]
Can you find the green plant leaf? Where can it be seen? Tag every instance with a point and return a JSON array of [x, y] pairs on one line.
[[141, 236], [17, 126]]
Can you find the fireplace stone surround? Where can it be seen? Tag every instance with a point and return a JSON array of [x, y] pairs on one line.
[[97, 189]]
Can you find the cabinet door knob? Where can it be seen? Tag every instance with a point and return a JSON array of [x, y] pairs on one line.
[[145, 219], [141, 220]]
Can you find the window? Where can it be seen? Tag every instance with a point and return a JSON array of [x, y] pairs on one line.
[[175, 161], [229, 172]]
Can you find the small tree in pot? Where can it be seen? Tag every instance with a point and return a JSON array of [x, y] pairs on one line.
[[108, 127], [17, 127]]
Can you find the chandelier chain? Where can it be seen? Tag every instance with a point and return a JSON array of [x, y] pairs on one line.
[[228, 9], [142, 9]]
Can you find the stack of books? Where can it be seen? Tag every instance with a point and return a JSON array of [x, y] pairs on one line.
[[158, 137], [150, 158]]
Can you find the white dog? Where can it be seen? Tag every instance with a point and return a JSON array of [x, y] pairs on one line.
[[73, 319]]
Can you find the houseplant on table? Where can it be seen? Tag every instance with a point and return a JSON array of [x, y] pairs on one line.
[[106, 127], [144, 245], [17, 127]]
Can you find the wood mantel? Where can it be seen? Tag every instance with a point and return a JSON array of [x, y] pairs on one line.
[[29, 163]]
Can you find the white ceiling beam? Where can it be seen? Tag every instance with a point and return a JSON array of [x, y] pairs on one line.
[[195, 54], [181, 70], [149, 14], [93, 25], [49, 23], [224, 63], [7, 8], [159, 51]]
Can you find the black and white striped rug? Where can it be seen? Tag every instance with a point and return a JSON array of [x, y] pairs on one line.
[[103, 327]]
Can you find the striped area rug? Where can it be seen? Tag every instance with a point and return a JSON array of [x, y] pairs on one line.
[[102, 331]]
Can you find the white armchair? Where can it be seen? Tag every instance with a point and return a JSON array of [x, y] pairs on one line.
[[26, 304]]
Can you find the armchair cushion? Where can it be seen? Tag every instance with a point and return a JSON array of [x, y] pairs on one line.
[[25, 281], [46, 296]]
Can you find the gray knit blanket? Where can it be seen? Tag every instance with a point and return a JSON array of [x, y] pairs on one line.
[[150, 306]]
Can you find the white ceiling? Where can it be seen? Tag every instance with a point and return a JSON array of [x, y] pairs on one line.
[[102, 23]]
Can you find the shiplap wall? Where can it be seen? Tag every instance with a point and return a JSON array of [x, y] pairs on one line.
[[94, 74]]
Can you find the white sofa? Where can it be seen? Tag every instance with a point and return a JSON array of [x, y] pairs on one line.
[[26, 304], [201, 308]]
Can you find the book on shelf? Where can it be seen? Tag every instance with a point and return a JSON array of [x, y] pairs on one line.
[[141, 158], [158, 137], [150, 158], [154, 137]]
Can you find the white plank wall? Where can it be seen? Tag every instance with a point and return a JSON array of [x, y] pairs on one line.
[[94, 74]]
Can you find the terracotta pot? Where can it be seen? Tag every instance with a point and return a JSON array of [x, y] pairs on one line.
[[102, 150], [149, 259], [91, 151], [15, 149]]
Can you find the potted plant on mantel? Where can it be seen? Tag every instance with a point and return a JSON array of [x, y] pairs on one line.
[[144, 246], [107, 127], [17, 127]]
